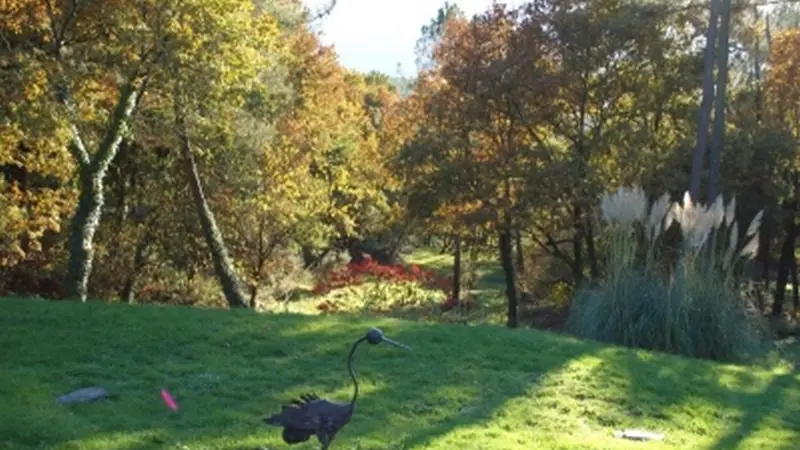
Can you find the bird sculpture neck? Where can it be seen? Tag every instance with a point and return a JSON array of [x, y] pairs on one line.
[[352, 371]]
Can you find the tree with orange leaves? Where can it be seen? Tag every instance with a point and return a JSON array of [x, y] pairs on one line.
[[491, 92], [782, 90]]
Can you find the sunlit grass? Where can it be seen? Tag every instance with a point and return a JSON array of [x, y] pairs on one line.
[[471, 387]]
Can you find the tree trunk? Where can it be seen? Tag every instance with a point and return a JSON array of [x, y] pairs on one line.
[[767, 33], [718, 137], [253, 296], [83, 228], [783, 274], [139, 261], [507, 261], [795, 205], [457, 270], [577, 245], [92, 172], [704, 113], [591, 253], [258, 268], [795, 287], [785, 264], [396, 244], [580, 193], [765, 250], [757, 69], [223, 266]]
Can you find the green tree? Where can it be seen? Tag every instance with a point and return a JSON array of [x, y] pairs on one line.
[[99, 60]]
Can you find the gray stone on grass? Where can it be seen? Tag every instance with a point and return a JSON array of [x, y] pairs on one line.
[[639, 435], [84, 395]]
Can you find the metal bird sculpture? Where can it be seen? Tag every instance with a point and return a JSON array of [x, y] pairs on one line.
[[310, 415]]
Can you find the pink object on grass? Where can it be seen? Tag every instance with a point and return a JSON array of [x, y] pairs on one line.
[[169, 400]]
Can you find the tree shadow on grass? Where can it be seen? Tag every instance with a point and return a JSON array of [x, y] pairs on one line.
[[228, 370], [700, 398], [451, 379], [770, 403]]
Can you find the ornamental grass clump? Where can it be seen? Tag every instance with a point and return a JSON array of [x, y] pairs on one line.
[[686, 302]]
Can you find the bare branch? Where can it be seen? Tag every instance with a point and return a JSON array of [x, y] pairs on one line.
[[552, 246], [323, 12], [77, 148]]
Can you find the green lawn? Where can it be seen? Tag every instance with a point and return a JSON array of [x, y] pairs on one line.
[[490, 274], [467, 387]]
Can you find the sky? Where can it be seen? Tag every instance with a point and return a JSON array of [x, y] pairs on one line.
[[378, 34]]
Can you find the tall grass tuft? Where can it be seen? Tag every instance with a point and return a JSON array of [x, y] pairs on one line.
[[687, 304]]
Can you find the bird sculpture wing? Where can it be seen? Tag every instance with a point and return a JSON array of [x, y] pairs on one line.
[[299, 414]]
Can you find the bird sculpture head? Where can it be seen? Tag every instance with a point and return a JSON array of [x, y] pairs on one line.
[[376, 336]]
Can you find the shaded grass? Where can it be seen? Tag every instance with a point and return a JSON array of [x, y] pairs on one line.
[[489, 274], [473, 387]]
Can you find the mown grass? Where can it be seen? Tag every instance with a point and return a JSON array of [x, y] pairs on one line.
[[488, 272], [470, 387]]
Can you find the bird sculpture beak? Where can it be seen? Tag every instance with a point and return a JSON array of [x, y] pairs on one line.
[[396, 344]]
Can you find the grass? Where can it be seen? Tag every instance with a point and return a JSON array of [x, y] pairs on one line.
[[471, 387], [489, 274]]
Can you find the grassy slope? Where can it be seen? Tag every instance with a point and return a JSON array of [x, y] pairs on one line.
[[462, 387]]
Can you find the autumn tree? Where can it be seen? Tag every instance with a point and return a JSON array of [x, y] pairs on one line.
[[492, 88], [35, 169], [431, 34], [327, 146], [625, 73], [782, 97], [782, 89], [434, 167], [97, 60], [234, 48]]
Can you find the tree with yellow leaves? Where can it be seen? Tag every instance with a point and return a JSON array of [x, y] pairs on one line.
[[99, 61]]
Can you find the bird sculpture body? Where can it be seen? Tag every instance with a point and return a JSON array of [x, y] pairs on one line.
[[310, 415]]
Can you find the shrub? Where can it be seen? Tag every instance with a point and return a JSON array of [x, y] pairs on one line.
[[382, 276], [171, 286], [282, 276], [382, 297], [691, 306]]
